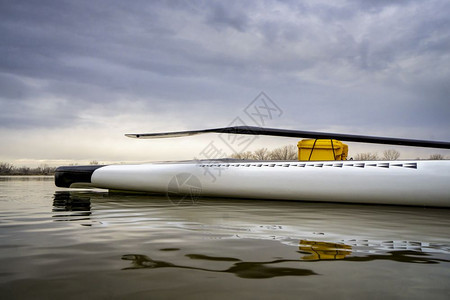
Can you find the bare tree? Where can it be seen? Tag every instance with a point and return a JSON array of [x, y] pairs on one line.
[[391, 154], [436, 156], [23, 171], [6, 168], [288, 152], [243, 155], [44, 169], [366, 156], [261, 154]]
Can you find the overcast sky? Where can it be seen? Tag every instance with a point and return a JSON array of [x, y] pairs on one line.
[[75, 76]]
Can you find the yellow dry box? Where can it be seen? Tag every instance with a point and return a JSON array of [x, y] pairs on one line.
[[322, 150]]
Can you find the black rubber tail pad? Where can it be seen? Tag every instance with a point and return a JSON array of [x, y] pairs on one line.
[[67, 175]]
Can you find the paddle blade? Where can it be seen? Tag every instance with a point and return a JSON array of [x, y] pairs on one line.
[[299, 134]]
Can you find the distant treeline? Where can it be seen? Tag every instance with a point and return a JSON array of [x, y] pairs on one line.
[[282, 153], [9, 169], [290, 152]]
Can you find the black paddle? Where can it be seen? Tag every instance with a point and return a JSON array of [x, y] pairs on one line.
[[298, 134]]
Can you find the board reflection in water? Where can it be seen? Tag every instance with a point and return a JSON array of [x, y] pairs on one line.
[[71, 207], [154, 239], [102, 245], [207, 213]]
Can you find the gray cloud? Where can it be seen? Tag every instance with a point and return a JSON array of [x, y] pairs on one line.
[[377, 67], [222, 16]]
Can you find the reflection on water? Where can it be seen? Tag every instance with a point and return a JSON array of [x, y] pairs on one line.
[[314, 250], [323, 250], [71, 207], [64, 201], [405, 256], [97, 244], [253, 270], [311, 250], [79, 205], [33, 178]]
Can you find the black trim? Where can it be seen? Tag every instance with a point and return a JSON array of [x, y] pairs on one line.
[[67, 175]]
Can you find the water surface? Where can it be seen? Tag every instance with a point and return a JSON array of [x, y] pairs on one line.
[[78, 243]]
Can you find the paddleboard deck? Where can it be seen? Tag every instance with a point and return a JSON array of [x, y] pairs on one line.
[[418, 182]]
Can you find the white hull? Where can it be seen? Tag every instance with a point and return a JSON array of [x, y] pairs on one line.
[[422, 183]]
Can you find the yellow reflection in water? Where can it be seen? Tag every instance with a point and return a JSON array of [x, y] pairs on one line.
[[324, 250]]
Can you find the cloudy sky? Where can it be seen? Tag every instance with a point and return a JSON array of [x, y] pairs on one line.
[[75, 76]]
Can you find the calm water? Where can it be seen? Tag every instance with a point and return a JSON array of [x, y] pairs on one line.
[[65, 243]]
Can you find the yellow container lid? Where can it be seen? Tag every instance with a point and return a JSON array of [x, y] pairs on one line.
[[320, 144]]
